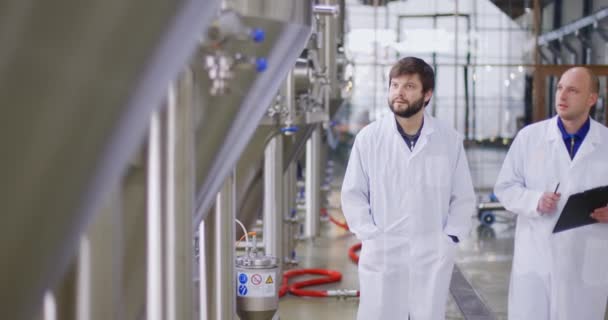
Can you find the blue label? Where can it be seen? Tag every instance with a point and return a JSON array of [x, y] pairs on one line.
[[242, 278], [242, 290]]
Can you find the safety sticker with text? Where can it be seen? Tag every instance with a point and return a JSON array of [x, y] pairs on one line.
[[256, 284]]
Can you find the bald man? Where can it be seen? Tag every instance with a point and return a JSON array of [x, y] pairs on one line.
[[558, 275]]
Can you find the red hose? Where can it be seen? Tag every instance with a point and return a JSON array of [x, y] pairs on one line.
[[340, 224], [352, 252], [330, 277]]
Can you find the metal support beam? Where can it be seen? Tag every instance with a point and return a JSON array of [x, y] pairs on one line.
[[216, 264], [273, 198], [289, 180], [313, 184], [99, 271], [570, 28], [571, 50], [170, 207]]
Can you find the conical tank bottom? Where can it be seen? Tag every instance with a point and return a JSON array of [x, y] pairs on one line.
[[256, 315]]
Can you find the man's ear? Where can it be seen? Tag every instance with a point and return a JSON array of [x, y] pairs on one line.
[[592, 100], [428, 95]]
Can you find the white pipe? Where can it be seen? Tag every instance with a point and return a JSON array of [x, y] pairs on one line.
[[216, 264], [273, 198], [50, 306], [154, 303], [313, 183], [83, 286]]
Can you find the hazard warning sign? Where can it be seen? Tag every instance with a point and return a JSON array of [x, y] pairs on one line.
[[256, 284]]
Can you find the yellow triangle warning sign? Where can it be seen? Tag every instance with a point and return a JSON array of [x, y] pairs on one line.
[[269, 280]]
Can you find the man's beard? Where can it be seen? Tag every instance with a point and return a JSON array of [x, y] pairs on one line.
[[412, 108]]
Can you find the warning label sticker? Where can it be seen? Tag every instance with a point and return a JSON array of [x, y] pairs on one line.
[[256, 284]]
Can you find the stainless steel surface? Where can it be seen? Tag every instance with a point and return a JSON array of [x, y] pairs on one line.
[[82, 78], [273, 198], [313, 184], [179, 213], [289, 185], [229, 121], [302, 76], [328, 56], [257, 305], [326, 10], [99, 271], [170, 206], [296, 12], [155, 299], [250, 177], [289, 98], [216, 265], [134, 227]]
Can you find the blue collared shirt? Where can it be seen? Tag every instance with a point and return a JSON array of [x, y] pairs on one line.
[[410, 141], [573, 141]]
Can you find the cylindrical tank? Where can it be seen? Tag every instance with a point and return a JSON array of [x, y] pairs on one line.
[[257, 284]]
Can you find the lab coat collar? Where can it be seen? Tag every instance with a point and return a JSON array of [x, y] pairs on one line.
[[553, 132], [427, 128], [589, 143]]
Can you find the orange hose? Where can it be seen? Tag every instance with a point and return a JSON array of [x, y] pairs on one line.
[[352, 252], [250, 233], [339, 223]]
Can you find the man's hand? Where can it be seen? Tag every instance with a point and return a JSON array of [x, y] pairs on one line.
[[600, 214], [548, 202]]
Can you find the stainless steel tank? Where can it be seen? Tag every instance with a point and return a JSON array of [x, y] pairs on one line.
[[257, 287]]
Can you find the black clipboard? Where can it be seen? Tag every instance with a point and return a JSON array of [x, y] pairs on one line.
[[579, 207]]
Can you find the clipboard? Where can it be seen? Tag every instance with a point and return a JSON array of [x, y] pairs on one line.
[[578, 208]]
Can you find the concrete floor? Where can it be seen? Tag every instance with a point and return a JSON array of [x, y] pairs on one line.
[[484, 258]]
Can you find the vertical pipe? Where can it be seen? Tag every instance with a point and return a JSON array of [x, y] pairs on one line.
[[313, 177], [170, 207], [216, 241], [329, 52], [180, 195], [49, 306], [154, 301], [273, 198], [290, 206], [538, 87], [290, 97], [99, 271]]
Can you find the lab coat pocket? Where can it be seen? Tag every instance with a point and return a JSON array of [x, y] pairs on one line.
[[449, 247], [437, 171], [372, 256], [595, 267]]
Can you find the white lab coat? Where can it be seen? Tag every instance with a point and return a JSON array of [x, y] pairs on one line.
[[563, 275], [402, 205]]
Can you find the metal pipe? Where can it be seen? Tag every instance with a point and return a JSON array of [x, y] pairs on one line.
[[273, 198], [313, 183], [216, 265], [99, 271], [571, 50], [330, 27], [154, 301], [289, 179], [290, 99], [180, 199], [326, 10], [49, 306], [170, 206]]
